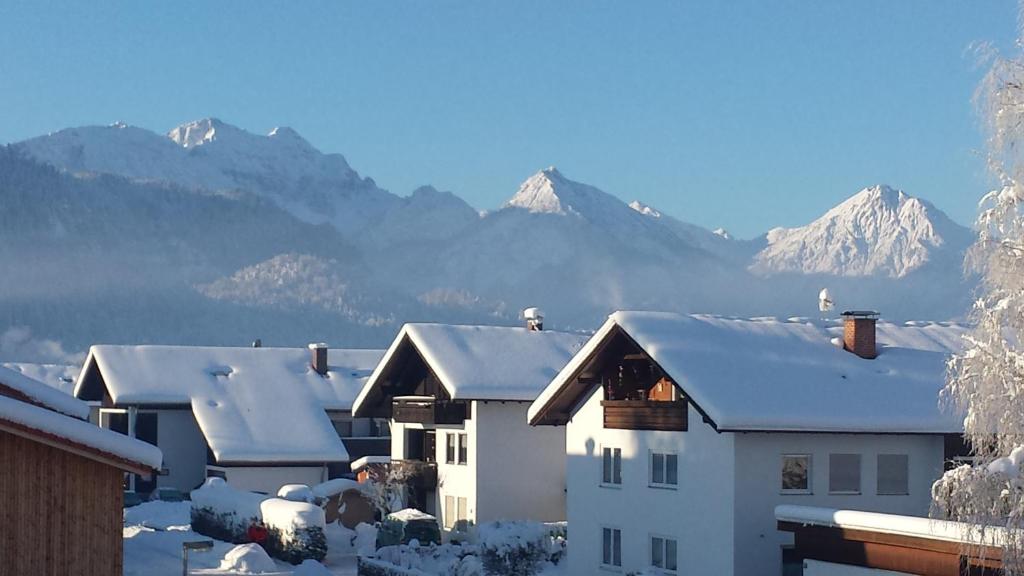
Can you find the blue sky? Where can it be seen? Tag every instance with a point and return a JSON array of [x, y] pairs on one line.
[[745, 115]]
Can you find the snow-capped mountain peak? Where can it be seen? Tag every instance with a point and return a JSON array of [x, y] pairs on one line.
[[199, 132], [879, 230], [549, 192], [541, 193], [645, 209]]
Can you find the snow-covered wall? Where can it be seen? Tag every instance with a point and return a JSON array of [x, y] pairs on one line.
[[184, 449], [520, 469], [269, 479], [697, 514], [758, 481]]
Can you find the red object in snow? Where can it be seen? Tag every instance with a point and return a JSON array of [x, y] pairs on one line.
[[257, 534]]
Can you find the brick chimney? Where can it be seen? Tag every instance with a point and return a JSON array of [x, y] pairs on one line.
[[534, 319], [318, 360], [859, 332]]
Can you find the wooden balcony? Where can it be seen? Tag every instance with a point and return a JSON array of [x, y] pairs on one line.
[[645, 415], [428, 411]]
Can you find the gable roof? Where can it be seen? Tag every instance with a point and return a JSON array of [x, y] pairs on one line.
[[252, 404], [482, 362], [771, 375], [59, 376], [47, 426], [17, 385]]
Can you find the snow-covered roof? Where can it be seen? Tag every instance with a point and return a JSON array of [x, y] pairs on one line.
[[23, 418], [59, 376], [892, 524], [484, 362], [360, 463], [252, 404], [783, 375], [39, 393]]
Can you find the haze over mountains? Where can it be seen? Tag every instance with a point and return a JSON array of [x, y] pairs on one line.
[[214, 235]]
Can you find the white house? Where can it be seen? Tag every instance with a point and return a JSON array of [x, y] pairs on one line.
[[258, 417], [457, 398], [683, 433]]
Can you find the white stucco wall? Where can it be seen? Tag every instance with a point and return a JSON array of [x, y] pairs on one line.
[[697, 514], [758, 482], [520, 469], [458, 480], [269, 479], [184, 448]]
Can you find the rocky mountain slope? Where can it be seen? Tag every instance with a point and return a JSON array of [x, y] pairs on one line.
[[211, 234]]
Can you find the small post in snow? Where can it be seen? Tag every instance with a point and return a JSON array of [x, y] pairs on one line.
[[198, 546]]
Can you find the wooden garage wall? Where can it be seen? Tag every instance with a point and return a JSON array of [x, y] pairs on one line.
[[60, 513]]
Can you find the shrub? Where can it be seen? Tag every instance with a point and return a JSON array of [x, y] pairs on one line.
[[513, 548]]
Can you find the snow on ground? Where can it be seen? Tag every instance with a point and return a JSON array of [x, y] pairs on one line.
[[155, 531]]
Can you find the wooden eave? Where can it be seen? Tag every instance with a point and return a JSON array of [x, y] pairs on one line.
[[558, 410], [83, 450], [896, 552]]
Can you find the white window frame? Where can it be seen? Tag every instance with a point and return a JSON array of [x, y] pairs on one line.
[[664, 549], [611, 483], [450, 512], [451, 442], [878, 469], [651, 481], [461, 443], [860, 474], [810, 474], [613, 567]]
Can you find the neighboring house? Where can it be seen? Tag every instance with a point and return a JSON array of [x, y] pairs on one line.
[[684, 432], [258, 417], [61, 483], [457, 398]]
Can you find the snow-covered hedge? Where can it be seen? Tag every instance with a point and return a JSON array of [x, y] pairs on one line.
[[295, 530], [221, 512], [492, 549], [513, 548]]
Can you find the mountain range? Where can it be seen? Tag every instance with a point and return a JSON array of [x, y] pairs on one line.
[[211, 234]]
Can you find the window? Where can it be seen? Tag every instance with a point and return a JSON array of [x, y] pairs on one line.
[[450, 449], [449, 512], [663, 553], [796, 473], [611, 466], [456, 448], [893, 474], [611, 547], [844, 473], [455, 513], [664, 469]]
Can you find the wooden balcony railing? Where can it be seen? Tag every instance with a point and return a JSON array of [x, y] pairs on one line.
[[428, 411], [645, 415]]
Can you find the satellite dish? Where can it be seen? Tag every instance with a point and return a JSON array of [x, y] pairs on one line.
[[825, 302]]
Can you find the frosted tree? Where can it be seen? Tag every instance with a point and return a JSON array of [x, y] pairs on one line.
[[387, 485], [986, 380]]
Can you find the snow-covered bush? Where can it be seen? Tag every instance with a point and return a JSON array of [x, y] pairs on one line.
[[513, 548], [221, 512], [295, 530], [296, 493]]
